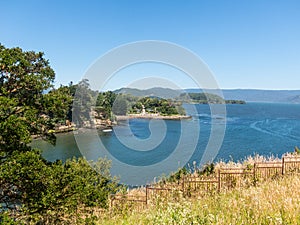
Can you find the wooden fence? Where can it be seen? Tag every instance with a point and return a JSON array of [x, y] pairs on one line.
[[291, 164], [230, 178], [225, 179], [128, 201], [268, 170], [199, 186]]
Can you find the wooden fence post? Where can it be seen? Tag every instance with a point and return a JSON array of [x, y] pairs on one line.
[[282, 165], [254, 173], [183, 186], [219, 180], [146, 194]]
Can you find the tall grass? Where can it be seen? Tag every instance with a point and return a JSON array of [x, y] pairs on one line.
[[273, 202]]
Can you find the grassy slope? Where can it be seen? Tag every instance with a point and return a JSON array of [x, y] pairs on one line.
[[273, 202]]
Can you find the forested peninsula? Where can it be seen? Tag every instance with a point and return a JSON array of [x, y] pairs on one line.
[[206, 98]]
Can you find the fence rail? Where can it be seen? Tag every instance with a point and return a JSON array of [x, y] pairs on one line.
[[137, 201], [197, 186], [291, 164], [230, 178], [268, 170], [225, 179]]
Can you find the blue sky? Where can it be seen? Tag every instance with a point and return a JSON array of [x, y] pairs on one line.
[[247, 44]]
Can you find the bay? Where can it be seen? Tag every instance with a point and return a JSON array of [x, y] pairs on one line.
[[146, 145]]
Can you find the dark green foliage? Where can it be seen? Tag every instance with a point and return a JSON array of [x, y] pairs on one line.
[[109, 103], [24, 108], [297, 150], [206, 98], [202, 98], [104, 104], [32, 189], [207, 170], [83, 101], [178, 175], [157, 105], [52, 190], [120, 106], [56, 104], [24, 75], [6, 219], [235, 102]]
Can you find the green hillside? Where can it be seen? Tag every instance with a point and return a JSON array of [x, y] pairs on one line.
[[206, 98]]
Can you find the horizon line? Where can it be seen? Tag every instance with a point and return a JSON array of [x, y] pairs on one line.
[[194, 88]]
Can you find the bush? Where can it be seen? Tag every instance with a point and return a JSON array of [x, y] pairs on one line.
[[48, 192]]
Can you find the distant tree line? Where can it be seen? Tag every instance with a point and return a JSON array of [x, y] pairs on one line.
[[206, 98], [157, 105]]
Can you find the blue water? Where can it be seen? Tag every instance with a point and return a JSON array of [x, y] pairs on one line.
[[263, 128]]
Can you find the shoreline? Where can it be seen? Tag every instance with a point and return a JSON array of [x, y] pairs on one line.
[[101, 127], [149, 116]]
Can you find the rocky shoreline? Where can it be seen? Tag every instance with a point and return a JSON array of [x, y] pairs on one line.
[[152, 116], [104, 125]]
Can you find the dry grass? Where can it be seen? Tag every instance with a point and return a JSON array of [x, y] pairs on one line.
[[273, 202], [250, 160]]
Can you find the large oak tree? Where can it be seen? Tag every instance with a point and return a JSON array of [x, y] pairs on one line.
[[35, 189], [25, 108]]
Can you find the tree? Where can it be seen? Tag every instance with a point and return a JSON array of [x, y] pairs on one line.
[[82, 103], [202, 98], [120, 106], [42, 191], [51, 192], [157, 105], [105, 102], [57, 104], [24, 109]]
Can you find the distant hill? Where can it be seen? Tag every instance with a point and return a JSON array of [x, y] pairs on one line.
[[254, 95], [206, 98], [155, 92], [248, 95]]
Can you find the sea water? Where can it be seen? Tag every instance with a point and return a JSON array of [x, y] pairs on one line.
[[254, 128]]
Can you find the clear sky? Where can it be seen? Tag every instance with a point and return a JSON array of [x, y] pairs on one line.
[[247, 44]]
